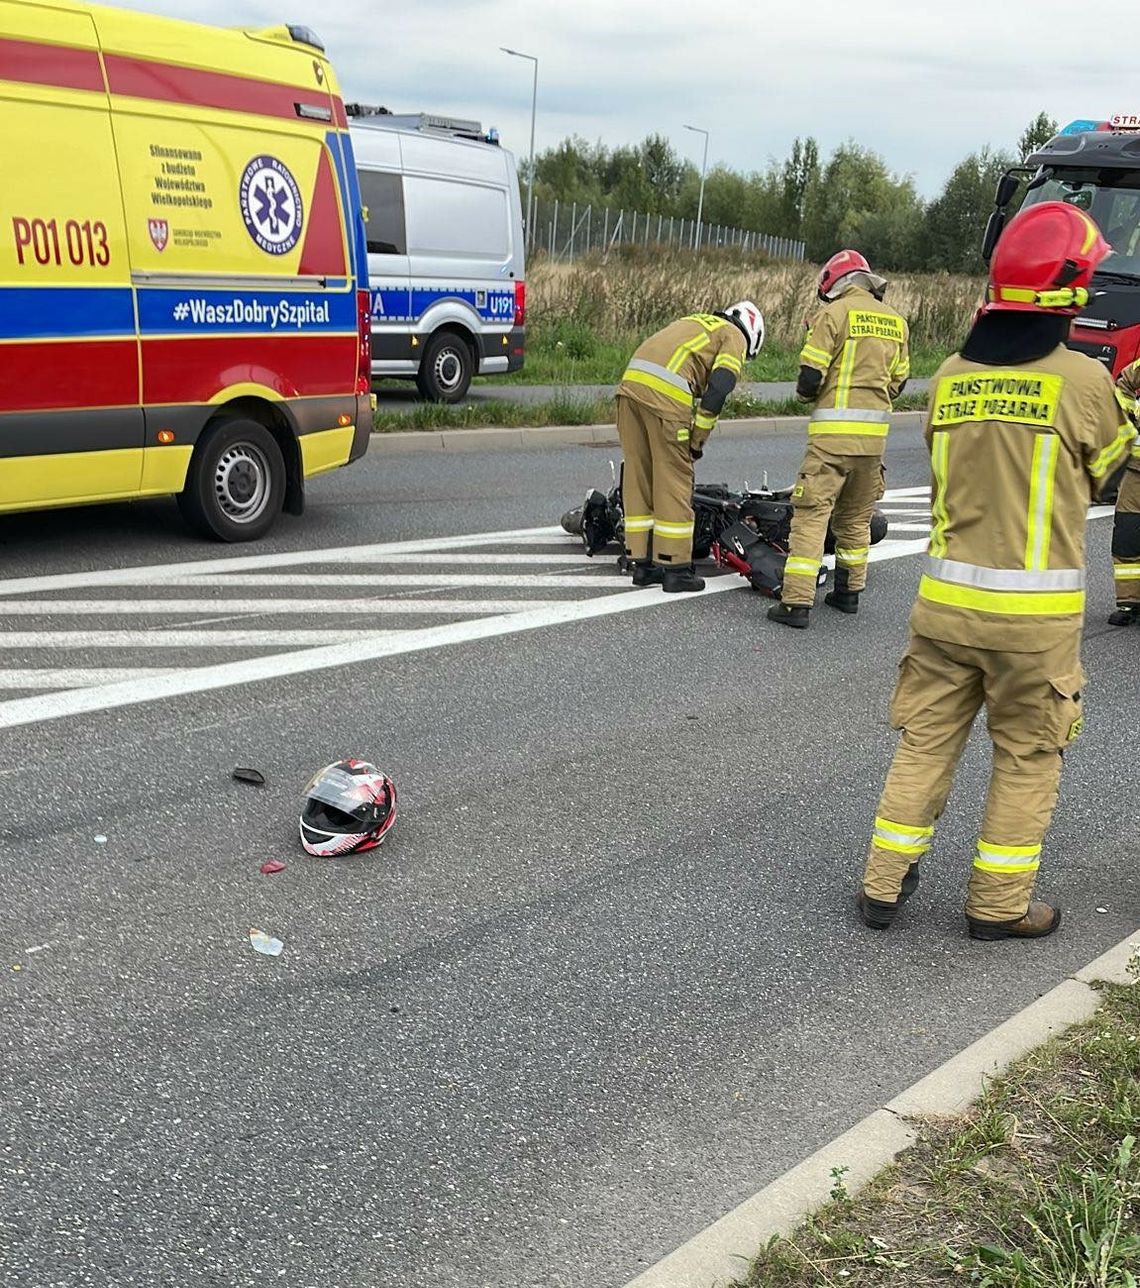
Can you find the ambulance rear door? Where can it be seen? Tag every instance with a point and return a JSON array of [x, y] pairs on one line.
[[71, 424]]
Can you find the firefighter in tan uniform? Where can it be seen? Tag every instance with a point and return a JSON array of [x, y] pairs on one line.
[[854, 363], [668, 402], [1022, 432], [1126, 525]]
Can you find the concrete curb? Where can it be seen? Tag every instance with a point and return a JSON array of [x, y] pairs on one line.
[[491, 439], [724, 1250]]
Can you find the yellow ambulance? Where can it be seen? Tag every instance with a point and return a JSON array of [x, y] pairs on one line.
[[184, 302]]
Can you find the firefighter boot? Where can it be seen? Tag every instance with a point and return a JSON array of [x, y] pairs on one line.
[[846, 601], [879, 915], [1125, 615], [647, 573], [1040, 919], [795, 615], [679, 578]]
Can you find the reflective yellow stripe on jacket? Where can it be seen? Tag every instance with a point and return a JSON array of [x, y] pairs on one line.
[[865, 423], [1109, 458], [810, 356], [1015, 592], [654, 376]]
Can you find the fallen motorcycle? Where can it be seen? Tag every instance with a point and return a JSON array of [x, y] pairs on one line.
[[746, 531]]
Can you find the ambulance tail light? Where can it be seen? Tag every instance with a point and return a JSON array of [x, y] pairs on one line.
[[364, 341], [520, 304]]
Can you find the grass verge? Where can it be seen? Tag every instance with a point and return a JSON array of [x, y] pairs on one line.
[[568, 410], [583, 358], [1038, 1187]]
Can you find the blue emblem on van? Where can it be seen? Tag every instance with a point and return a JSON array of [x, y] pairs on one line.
[[271, 205]]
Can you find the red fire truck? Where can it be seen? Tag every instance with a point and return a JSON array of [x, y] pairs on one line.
[[1094, 165]]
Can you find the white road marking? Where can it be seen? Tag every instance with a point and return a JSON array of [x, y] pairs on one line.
[[159, 574], [74, 678], [459, 558], [910, 527], [322, 606], [453, 581], [165, 637]]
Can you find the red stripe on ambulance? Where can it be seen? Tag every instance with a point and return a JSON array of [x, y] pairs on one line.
[[139, 78], [58, 374], [31, 63], [195, 371]]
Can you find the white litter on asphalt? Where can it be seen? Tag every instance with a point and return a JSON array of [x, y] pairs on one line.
[[260, 942]]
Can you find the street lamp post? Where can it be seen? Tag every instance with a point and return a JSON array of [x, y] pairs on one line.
[[696, 129], [514, 53]]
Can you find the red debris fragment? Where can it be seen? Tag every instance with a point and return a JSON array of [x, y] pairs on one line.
[[270, 866]]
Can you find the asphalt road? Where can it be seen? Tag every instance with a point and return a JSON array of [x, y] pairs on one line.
[[602, 982], [394, 394]]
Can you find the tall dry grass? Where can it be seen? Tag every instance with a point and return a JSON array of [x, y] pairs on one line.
[[631, 294]]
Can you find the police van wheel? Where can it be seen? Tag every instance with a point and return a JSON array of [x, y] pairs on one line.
[[236, 485], [445, 369]]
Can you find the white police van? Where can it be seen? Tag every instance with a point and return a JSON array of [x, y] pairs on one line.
[[445, 249]]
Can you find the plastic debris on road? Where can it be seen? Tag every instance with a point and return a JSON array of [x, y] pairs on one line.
[[270, 866], [252, 776], [260, 942], [100, 840]]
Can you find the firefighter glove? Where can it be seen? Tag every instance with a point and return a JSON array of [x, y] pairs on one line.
[[703, 425]]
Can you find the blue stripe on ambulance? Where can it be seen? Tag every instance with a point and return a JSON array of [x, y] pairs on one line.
[[44, 312], [492, 304], [225, 311], [344, 162]]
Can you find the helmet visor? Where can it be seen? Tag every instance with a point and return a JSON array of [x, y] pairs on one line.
[[340, 789], [356, 801]]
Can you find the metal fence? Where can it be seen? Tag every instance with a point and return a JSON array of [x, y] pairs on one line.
[[565, 229]]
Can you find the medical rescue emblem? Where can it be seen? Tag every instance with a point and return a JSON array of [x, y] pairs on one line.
[[271, 205], [159, 231]]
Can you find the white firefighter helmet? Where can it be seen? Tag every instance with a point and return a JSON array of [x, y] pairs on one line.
[[751, 321]]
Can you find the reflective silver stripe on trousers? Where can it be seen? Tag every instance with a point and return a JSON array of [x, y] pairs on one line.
[[853, 413], [662, 373], [964, 574]]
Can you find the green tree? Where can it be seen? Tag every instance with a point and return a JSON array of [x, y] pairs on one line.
[[956, 219], [856, 201], [664, 171], [800, 171], [1036, 134], [569, 172]]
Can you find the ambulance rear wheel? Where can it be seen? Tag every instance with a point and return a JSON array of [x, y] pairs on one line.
[[446, 368], [236, 484]]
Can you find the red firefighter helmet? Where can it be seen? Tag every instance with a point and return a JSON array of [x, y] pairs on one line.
[[1045, 260], [838, 266]]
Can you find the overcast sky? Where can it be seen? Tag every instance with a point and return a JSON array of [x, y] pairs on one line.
[[922, 86]]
